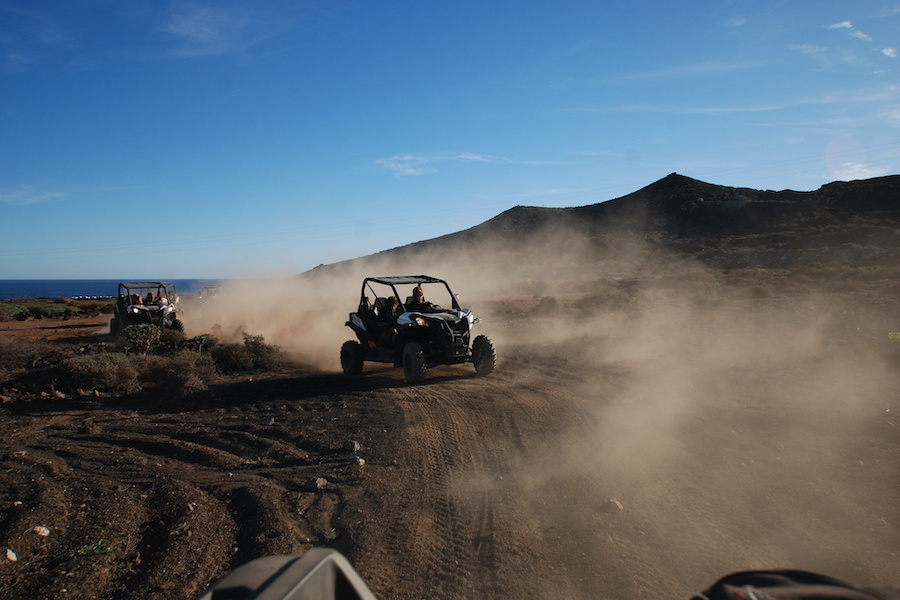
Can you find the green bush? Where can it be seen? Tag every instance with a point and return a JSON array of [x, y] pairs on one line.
[[253, 355], [13, 312], [39, 311], [142, 337], [232, 358], [22, 310], [265, 357], [171, 340]]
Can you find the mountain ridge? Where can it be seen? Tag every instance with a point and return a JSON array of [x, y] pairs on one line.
[[701, 219]]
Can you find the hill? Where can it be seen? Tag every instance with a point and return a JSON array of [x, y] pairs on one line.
[[855, 222]]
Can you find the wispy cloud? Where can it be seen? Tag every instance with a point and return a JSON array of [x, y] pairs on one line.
[[203, 30], [851, 30], [26, 35], [692, 70], [855, 33], [209, 29], [403, 165], [28, 194], [849, 171], [873, 96], [407, 165]]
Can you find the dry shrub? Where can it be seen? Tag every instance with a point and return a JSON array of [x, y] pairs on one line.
[[184, 372], [16, 355], [110, 372], [253, 355]]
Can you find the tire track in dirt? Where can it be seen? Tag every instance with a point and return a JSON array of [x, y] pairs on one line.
[[461, 519], [142, 505]]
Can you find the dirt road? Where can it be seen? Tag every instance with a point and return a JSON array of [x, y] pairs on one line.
[[639, 454]]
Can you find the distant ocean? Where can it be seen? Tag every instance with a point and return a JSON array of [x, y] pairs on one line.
[[83, 288]]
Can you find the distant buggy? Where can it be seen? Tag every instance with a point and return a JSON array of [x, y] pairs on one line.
[[145, 302], [390, 328]]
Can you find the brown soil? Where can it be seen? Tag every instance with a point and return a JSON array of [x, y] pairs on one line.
[[75, 330], [593, 463]]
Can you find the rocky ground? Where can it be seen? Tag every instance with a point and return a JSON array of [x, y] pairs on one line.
[[629, 445]]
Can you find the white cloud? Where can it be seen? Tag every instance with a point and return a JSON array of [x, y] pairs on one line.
[[407, 165], [212, 29], [701, 69], [810, 49], [471, 156], [16, 61], [890, 52], [26, 195], [849, 171], [410, 164], [853, 31]]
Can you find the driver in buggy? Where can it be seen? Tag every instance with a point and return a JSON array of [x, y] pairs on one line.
[[417, 302]]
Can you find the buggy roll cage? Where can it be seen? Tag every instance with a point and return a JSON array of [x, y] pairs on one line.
[[392, 282]]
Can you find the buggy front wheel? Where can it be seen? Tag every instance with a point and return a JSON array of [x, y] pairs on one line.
[[483, 355], [351, 358], [413, 362]]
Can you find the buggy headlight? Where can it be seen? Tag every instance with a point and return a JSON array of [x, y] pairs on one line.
[[420, 321]]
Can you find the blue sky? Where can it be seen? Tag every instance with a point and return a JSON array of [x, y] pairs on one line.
[[234, 139]]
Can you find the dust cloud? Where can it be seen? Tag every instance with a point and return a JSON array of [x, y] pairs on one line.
[[305, 315], [740, 424], [741, 419]]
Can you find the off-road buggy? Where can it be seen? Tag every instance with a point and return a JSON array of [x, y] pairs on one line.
[[142, 302], [208, 292], [391, 328]]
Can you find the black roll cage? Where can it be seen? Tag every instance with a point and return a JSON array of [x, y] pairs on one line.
[[394, 281]]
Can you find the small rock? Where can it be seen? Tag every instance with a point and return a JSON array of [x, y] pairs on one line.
[[270, 421], [88, 427], [315, 485], [352, 446], [41, 530], [359, 460], [612, 505], [10, 555]]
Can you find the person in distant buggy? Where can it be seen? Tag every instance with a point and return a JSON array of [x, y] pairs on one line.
[[152, 299]]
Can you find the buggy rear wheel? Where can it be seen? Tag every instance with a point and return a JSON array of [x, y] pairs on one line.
[[351, 358], [413, 362], [483, 355]]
